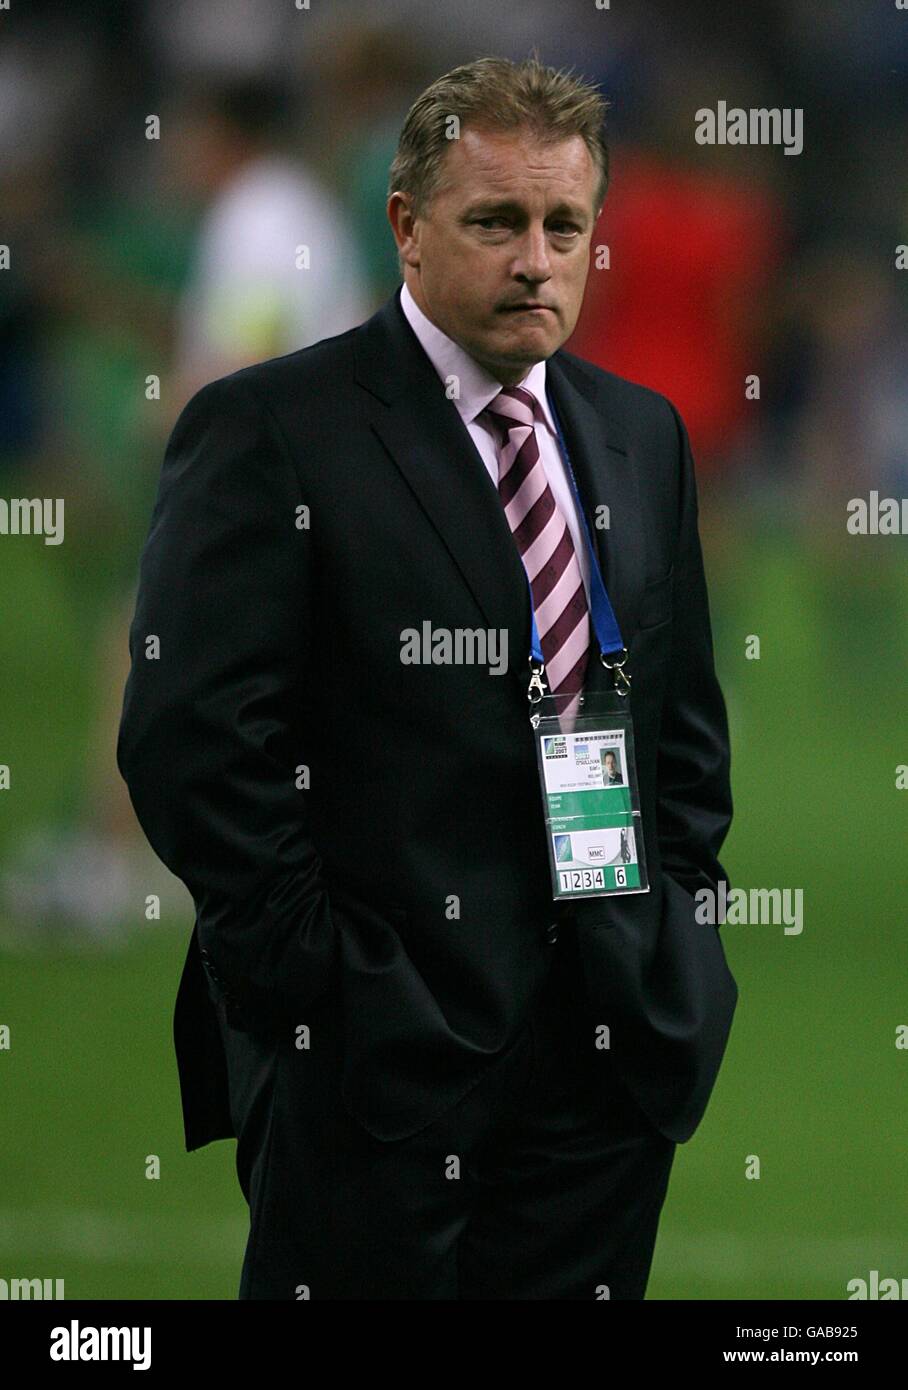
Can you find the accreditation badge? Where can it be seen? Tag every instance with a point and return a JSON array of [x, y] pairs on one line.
[[590, 797]]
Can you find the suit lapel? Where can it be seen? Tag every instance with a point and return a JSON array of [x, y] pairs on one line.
[[431, 446], [426, 438]]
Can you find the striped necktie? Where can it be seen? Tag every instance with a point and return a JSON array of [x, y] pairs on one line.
[[545, 545]]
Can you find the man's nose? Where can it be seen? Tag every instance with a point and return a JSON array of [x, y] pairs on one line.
[[533, 257]]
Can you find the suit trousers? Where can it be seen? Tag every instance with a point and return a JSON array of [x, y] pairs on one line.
[[546, 1180]]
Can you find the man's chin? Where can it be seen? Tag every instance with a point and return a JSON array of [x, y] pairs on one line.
[[531, 348]]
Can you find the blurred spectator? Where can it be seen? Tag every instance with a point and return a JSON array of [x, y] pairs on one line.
[[247, 297], [681, 307]]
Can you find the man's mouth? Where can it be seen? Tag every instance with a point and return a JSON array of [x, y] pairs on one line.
[[526, 308]]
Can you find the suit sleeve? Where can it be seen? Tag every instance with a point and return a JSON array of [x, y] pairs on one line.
[[694, 758], [209, 738]]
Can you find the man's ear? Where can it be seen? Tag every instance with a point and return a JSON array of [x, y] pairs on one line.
[[405, 227]]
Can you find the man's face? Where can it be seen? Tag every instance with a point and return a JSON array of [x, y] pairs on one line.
[[610, 763], [510, 225]]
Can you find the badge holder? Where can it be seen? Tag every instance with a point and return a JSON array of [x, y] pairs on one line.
[[591, 801]]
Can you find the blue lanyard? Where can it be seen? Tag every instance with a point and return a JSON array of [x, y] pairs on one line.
[[605, 624]]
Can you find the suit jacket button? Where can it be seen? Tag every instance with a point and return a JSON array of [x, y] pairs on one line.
[[551, 934], [210, 970]]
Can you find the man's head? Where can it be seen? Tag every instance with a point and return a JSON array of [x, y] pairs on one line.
[[610, 764], [498, 180]]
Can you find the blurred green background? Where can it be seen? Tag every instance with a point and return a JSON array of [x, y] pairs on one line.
[[761, 264]]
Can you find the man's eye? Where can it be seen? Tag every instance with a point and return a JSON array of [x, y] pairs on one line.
[[568, 228], [484, 221]]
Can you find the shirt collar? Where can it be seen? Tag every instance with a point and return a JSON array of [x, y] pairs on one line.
[[477, 387]]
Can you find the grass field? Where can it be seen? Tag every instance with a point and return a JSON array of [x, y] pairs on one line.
[[812, 1084]]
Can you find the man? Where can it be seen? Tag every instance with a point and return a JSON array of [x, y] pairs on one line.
[[610, 770], [443, 1083]]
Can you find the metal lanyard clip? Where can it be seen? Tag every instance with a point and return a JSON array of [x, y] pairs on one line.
[[621, 677], [536, 689]]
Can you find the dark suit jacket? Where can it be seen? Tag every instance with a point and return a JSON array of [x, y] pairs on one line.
[[280, 648]]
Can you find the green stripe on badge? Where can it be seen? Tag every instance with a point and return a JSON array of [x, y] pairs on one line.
[[603, 801], [567, 825]]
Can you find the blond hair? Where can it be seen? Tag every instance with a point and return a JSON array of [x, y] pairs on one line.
[[496, 94]]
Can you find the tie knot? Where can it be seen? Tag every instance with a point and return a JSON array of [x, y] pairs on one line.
[[514, 405]]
